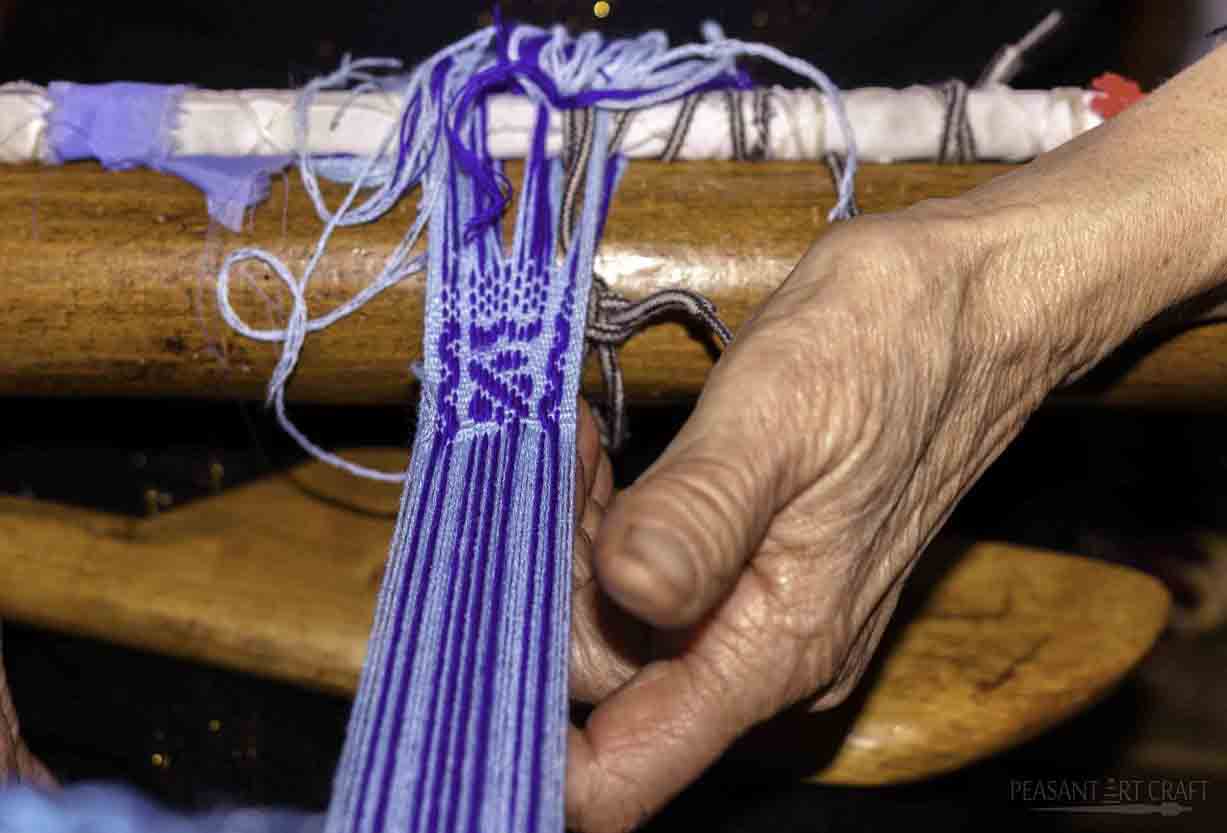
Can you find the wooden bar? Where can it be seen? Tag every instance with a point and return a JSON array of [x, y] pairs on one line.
[[992, 644], [106, 283]]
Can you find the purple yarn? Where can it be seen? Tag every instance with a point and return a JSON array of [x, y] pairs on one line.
[[231, 184], [459, 723], [125, 125], [122, 125], [492, 191]]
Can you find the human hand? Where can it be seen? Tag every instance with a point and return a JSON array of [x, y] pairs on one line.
[[17, 763], [757, 562]]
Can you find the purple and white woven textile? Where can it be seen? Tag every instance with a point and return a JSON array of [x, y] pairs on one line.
[[461, 715]]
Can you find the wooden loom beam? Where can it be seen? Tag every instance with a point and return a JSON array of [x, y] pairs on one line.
[[106, 283], [105, 289], [992, 644]]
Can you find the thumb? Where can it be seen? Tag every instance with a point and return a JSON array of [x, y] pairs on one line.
[[672, 545]]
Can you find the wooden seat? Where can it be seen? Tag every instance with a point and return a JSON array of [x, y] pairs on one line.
[[278, 578]]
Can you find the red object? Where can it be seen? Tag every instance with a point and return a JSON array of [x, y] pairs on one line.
[[1116, 93]]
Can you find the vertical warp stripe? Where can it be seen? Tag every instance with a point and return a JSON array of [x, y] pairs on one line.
[[473, 684], [490, 645], [442, 703], [391, 682], [459, 643], [551, 556], [362, 720], [418, 591], [534, 550], [447, 568]]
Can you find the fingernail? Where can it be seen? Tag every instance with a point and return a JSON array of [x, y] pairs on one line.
[[666, 558]]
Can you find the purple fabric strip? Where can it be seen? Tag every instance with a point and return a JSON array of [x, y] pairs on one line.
[[231, 184], [122, 125], [125, 125]]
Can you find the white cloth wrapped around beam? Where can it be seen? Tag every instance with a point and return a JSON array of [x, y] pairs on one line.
[[889, 125]]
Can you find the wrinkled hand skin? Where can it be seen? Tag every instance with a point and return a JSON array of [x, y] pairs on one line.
[[17, 763], [756, 564]]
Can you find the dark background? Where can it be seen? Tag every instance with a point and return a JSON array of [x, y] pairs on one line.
[[242, 43]]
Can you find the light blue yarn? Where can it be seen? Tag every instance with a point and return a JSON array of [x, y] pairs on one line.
[[645, 62], [574, 65], [111, 808]]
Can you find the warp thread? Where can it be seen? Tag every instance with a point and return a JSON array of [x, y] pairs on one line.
[[614, 319], [681, 127], [460, 719], [461, 715], [957, 144], [743, 149], [679, 73], [458, 722]]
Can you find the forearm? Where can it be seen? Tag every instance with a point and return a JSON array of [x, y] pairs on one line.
[[1090, 242]]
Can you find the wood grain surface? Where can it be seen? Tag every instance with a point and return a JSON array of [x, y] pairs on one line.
[[107, 283], [993, 644]]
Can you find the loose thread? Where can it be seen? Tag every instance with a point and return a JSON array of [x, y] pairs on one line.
[[210, 255], [549, 67], [612, 318]]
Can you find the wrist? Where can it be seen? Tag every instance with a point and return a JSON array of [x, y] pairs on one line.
[[1092, 241], [1014, 314], [1040, 290]]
